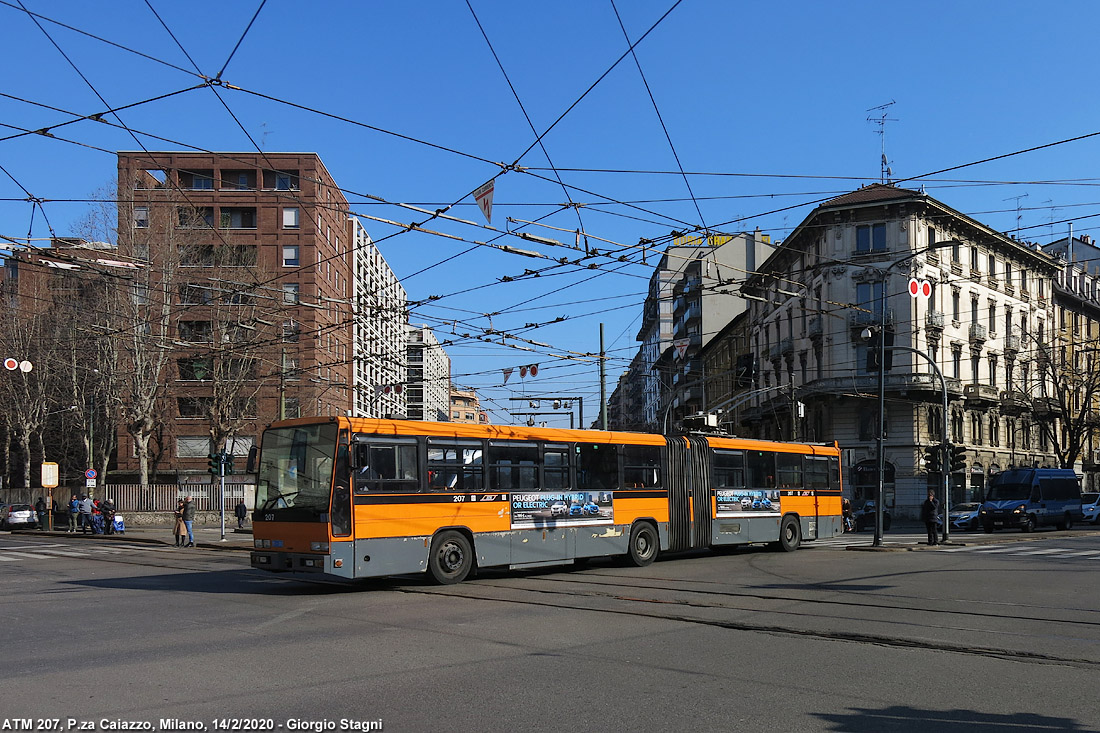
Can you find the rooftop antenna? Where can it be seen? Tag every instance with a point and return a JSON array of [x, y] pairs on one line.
[[880, 118], [1053, 209], [1017, 200]]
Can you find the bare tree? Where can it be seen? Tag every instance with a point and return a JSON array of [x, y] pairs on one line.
[[1065, 393]]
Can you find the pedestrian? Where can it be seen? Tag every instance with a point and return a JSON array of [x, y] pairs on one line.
[[74, 512], [40, 508], [85, 514], [241, 511], [180, 530], [189, 519], [929, 514]]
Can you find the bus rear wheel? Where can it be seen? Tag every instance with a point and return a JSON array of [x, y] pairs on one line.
[[451, 558], [790, 534], [643, 544]]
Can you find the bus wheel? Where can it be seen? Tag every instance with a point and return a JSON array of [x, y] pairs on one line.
[[451, 558], [790, 534], [643, 544]]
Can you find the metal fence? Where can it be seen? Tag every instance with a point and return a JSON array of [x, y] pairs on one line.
[[163, 497]]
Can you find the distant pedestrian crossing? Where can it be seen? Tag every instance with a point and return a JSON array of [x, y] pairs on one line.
[[57, 551], [1039, 550]]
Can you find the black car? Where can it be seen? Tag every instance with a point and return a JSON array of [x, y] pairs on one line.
[[864, 517]]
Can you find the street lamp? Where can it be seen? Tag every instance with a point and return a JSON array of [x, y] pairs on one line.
[[882, 352]]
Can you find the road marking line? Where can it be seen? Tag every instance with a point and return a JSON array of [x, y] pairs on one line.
[[1043, 552], [991, 550], [1082, 553], [28, 555], [67, 553]]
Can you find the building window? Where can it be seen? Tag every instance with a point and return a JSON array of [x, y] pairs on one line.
[[193, 446], [975, 365], [202, 180], [291, 330], [871, 238], [291, 408], [975, 258], [196, 217], [956, 252], [238, 218], [290, 255], [976, 429], [956, 363], [192, 407], [195, 331], [290, 217], [194, 370], [290, 293], [956, 304], [141, 217], [992, 317], [992, 265], [281, 180], [993, 369]]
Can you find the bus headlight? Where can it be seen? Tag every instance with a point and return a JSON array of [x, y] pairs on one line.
[[318, 546]]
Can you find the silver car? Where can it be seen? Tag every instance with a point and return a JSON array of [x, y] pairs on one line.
[[14, 516]]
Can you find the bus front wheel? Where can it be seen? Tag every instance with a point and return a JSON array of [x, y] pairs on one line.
[[643, 544], [451, 558]]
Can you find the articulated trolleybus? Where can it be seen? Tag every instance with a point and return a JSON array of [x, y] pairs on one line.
[[360, 498]]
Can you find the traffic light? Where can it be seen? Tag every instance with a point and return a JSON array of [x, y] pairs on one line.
[[228, 462], [874, 360], [958, 458], [215, 464], [932, 459]]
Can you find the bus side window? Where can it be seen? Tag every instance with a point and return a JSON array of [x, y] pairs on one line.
[[386, 467]]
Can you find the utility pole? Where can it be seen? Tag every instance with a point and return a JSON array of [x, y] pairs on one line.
[[603, 383]]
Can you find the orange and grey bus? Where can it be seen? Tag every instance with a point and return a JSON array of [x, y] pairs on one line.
[[359, 498]]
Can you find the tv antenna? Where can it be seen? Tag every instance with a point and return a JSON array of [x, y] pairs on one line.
[[1053, 209], [1017, 200], [880, 118]]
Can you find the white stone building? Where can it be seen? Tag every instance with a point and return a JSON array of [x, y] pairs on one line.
[[991, 297], [429, 383]]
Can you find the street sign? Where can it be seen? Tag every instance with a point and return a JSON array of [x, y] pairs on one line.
[[484, 197], [91, 473], [49, 475], [920, 288], [11, 364]]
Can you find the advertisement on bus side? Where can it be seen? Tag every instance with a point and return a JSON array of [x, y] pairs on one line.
[[746, 502], [562, 509]]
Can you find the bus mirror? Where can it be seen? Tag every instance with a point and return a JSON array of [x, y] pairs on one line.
[[250, 465]]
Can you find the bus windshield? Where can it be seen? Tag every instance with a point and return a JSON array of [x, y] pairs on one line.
[[295, 470]]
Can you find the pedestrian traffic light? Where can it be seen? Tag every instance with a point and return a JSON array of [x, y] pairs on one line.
[[932, 459], [958, 458], [215, 461]]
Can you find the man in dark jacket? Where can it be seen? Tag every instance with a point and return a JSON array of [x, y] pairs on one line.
[[241, 511], [40, 508], [189, 519], [929, 511]]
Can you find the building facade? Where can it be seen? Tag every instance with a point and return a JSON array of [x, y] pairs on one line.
[[381, 340], [466, 407], [429, 383], [251, 281], [842, 275]]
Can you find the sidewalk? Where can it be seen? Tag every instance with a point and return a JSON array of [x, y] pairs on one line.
[[207, 537]]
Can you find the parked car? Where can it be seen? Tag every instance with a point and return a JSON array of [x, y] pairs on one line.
[[1090, 505], [965, 516], [864, 517], [16, 516]]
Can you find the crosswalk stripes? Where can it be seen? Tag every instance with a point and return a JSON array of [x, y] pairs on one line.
[[58, 551]]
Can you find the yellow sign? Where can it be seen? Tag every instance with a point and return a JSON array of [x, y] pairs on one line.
[[49, 475]]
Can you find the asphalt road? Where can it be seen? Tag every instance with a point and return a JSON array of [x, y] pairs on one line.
[[1000, 633]]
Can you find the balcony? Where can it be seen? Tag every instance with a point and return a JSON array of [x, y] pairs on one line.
[[815, 329], [1012, 344], [859, 320], [978, 334], [934, 323], [1014, 403], [1045, 406], [975, 274], [786, 346], [981, 394]]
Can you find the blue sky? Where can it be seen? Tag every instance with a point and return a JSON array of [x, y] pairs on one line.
[[778, 95]]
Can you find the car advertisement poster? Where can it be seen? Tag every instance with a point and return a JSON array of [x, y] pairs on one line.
[[561, 509], [746, 502]]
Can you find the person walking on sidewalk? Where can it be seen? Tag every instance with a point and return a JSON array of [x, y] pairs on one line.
[[74, 511], [929, 511], [180, 529], [189, 519], [40, 509], [241, 511]]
